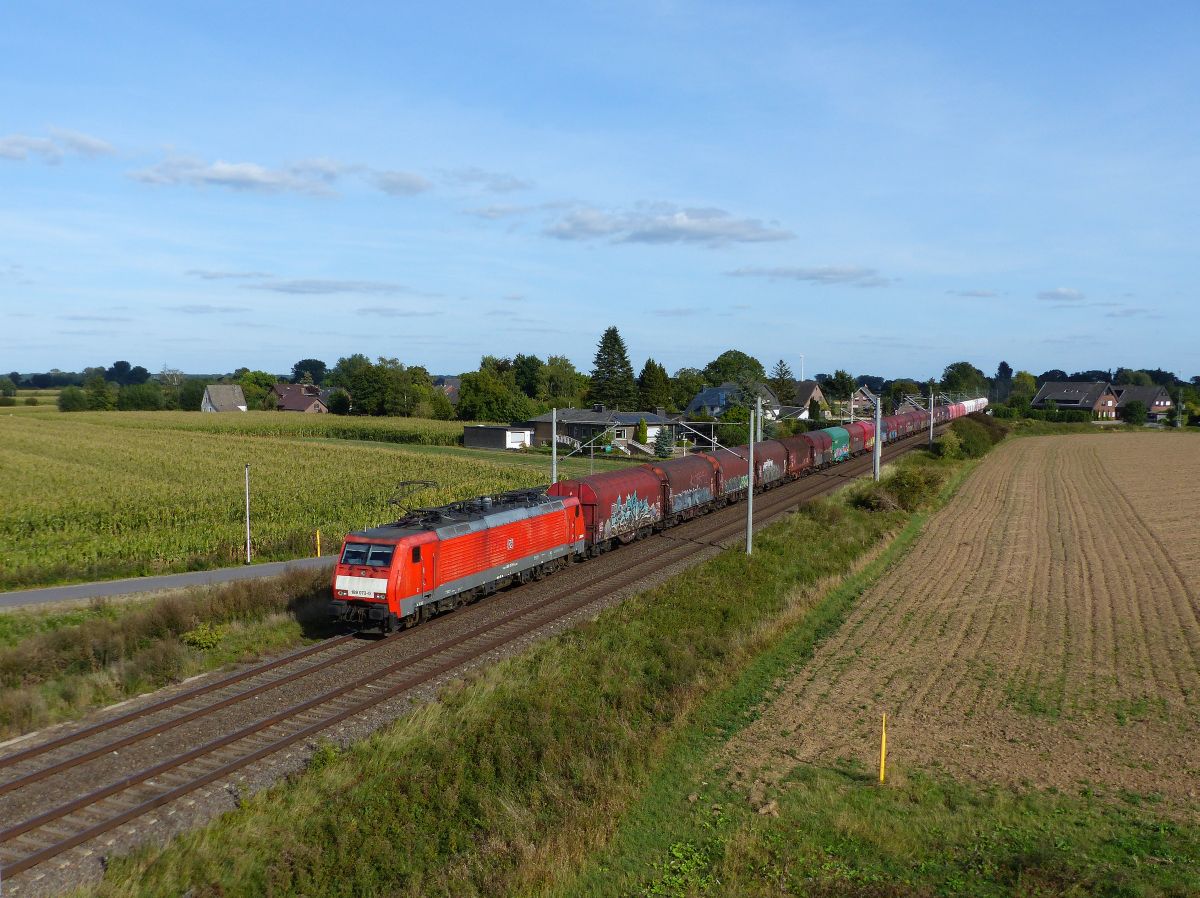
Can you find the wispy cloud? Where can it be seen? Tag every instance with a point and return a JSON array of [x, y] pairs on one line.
[[211, 275], [95, 318], [495, 182], [1132, 312], [399, 183], [678, 312], [314, 177], [974, 294], [1061, 294], [319, 287], [827, 275], [82, 144], [664, 223], [206, 309], [393, 312], [19, 147], [513, 297]]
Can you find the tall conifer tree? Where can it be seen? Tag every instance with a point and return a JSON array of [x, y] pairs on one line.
[[612, 377]]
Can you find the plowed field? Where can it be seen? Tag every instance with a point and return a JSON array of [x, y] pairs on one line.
[[1043, 631]]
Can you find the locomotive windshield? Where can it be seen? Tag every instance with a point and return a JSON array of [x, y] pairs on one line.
[[368, 554]]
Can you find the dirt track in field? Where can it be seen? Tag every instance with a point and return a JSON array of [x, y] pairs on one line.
[[1043, 631]]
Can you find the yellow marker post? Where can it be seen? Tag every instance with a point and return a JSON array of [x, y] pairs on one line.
[[318, 543], [883, 751]]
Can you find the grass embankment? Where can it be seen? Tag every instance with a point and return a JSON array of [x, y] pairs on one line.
[[587, 766], [58, 664]]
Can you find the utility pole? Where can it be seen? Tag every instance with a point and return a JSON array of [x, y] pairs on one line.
[[931, 416], [247, 514], [801, 366], [553, 446], [757, 413], [877, 455]]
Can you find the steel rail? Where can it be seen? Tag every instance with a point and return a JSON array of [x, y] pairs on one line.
[[773, 506]]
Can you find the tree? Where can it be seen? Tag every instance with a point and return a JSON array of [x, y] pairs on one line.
[[484, 396], [641, 433], [612, 375], [345, 369], [314, 368], [8, 386], [686, 383], [1127, 376], [1054, 375], [72, 399], [1024, 388], [736, 431], [734, 365], [1134, 412], [783, 382], [101, 395], [814, 409], [963, 377], [191, 395], [901, 388], [530, 374], [118, 373], [654, 386], [143, 397], [564, 385], [339, 402], [664, 443], [839, 385]]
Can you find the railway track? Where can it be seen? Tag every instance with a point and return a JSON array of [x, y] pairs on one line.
[[84, 817]]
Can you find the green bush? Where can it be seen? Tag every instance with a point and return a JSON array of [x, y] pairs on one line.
[[72, 399], [949, 445], [31, 400], [1003, 411], [974, 439], [909, 488], [7, 400]]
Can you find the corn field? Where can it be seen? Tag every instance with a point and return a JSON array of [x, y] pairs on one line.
[[94, 496]]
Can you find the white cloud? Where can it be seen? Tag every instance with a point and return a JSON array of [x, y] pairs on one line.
[[1061, 294], [210, 275], [974, 294], [496, 182], [399, 183], [827, 275], [311, 177], [19, 147], [664, 223], [318, 287]]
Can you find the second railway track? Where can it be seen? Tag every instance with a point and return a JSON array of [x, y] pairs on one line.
[[443, 647]]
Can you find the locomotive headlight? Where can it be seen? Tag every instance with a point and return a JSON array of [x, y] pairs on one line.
[[381, 595], [340, 592]]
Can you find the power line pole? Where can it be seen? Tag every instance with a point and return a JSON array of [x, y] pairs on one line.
[[553, 446], [931, 416]]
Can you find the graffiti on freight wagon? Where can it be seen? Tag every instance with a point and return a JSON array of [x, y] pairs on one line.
[[685, 499], [629, 514]]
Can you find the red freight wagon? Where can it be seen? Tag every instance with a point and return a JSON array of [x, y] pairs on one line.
[[616, 504], [436, 558], [770, 462], [691, 483], [862, 436], [800, 455], [822, 446], [892, 428], [733, 470]]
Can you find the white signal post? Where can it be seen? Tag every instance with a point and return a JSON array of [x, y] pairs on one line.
[[553, 446], [877, 455], [931, 416], [247, 514], [755, 418]]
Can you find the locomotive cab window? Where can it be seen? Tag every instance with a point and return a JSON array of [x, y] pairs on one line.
[[416, 554], [368, 554]]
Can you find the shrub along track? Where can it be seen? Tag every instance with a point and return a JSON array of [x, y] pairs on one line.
[[1059, 643], [235, 721]]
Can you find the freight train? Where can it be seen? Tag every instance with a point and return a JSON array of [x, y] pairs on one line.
[[436, 559]]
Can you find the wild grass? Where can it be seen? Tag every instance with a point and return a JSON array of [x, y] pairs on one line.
[[70, 662]]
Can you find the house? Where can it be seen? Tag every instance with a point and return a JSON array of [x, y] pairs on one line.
[[1097, 398], [804, 391], [578, 426], [860, 405], [306, 398], [715, 401], [223, 398], [497, 436], [1156, 399], [449, 386]]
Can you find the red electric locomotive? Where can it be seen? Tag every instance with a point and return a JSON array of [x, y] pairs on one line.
[[436, 559]]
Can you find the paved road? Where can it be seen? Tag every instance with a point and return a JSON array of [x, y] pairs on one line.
[[151, 584]]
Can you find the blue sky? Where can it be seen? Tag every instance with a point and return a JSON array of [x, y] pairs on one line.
[[881, 187]]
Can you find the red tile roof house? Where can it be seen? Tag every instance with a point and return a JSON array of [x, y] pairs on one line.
[[298, 398], [1097, 398], [1156, 399]]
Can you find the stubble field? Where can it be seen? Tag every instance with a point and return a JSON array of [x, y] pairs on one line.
[[1044, 631]]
